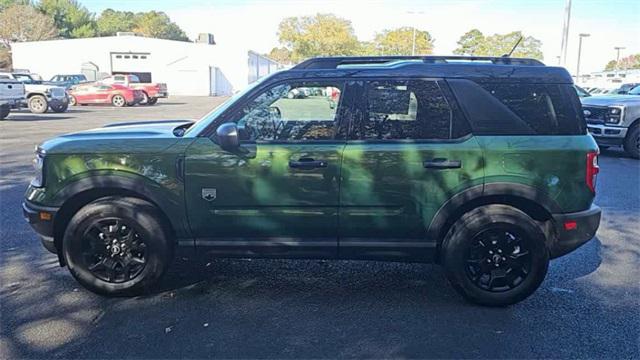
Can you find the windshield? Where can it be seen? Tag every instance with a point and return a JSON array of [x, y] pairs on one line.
[[203, 122], [634, 91]]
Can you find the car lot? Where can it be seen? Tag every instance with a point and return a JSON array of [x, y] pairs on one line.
[[587, 307]]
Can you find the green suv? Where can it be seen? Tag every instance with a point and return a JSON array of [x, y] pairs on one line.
[[483, 165]]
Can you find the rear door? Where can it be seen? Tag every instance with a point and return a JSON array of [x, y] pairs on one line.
[[407, 154], [280, 195]]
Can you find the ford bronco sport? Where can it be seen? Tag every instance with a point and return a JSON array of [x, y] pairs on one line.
[[483, 165]]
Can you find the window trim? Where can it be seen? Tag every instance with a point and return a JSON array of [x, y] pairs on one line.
[[448, 96], [210, 131]]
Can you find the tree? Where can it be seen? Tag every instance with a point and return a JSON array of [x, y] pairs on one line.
[[6, 3], [111, 22], [400, 42], [72, 19], [628, 62], [475, 43], [280, 54], [319, 35], [22, 23], [157, 24]]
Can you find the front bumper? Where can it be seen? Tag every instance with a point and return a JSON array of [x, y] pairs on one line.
[[570, 236], [607, 135], [41, 220]]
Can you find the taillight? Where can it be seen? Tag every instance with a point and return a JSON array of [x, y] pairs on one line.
[[592, 170]]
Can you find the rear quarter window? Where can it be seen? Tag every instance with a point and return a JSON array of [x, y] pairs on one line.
[[520, 108]]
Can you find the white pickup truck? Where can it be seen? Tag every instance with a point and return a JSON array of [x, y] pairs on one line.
[[40, 97], [11, 95]]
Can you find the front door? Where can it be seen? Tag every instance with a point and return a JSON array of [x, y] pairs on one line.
[[407, 154], [280, 195]]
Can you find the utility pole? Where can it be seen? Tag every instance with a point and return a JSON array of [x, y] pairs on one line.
[[618, 48], [583, 35], [413, 25], [565, 33]]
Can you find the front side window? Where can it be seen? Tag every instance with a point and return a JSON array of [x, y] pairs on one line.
[[292, 112], [402, 110]]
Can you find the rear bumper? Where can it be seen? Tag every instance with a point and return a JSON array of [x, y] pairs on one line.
[[567, 240], [41, 220]]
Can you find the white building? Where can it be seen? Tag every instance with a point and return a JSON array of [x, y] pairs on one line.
[[200, 68], [609, 79]]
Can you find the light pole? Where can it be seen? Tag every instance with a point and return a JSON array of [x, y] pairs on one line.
[[413, 41], [565, 33], [583, 35], [618, 48]]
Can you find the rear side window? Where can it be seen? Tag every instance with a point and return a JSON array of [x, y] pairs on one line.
[[543, 107], [520, 109], [406, 109]]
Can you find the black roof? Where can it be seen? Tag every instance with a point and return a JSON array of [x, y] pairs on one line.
[[481, 69]]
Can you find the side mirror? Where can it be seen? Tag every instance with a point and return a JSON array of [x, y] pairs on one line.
[[228, 136]]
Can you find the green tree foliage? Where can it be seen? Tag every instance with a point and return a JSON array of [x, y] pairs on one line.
[[628, 62], [22, 23], [475, 43], [319, 35], [111, 22], [6, 3], [400, 42], [158, 24], [72, 19], [280, 54]]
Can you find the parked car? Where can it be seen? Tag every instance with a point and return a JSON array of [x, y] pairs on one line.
[[99, 93], [635, 91], [11, 95], [614, 120], [40, 97], [623, 89], [67, 81], [151, 92], [483, 165]]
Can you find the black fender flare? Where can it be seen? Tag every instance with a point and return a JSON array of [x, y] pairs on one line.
[[491, 192], [132, 185]]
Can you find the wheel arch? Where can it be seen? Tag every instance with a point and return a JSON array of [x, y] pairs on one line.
[[528, 199], [82, 192]]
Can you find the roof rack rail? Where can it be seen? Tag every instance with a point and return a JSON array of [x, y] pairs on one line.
[[334, 62]]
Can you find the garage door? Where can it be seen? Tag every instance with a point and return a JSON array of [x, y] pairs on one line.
[[130, 62]]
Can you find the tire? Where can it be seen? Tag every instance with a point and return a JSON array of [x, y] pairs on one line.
[[72, 100], [516, 243], [632, 142], [38, 104], [117, 270], [145, 99], [4, 111], [60, 108], [118, 100], [152, 101]]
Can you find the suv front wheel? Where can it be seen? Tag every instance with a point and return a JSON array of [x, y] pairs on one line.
[[495, 255], [117, 246], [632, 142]]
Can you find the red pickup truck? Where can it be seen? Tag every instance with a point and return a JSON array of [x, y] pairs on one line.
[[151, 91]]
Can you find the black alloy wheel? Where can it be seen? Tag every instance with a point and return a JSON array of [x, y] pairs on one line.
[[113, 251]]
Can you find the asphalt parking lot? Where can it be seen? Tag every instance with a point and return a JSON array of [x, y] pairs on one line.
[[588, 307]]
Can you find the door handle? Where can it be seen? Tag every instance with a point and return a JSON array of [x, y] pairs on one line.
[[307, 163], [441, 163]]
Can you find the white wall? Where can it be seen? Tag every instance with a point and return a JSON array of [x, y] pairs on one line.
[[184, 66]]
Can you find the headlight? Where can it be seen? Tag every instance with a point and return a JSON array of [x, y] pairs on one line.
[[614, 114], [38, 166]]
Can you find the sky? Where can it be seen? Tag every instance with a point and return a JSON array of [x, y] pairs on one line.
[[610, 23]]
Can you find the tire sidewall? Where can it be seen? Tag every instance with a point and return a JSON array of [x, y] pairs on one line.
[[35, 110], [113, 100], [630, 145], [141, 216], [458, 241]]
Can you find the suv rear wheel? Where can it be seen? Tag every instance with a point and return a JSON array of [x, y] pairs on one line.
[[632, 142], [117, 246], [4, 111], [495, 255]]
